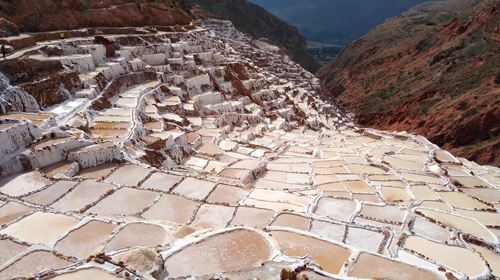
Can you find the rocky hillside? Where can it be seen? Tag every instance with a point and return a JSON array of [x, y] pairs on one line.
[[435, 73], [48, 15], [259, 23]]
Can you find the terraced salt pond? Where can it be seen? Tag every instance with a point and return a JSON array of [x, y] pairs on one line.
[[455, 257], [330, 256], [225, 252], [460, 223]]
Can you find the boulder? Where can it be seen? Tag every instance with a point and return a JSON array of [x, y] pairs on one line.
[[146, 261], [8, 28]]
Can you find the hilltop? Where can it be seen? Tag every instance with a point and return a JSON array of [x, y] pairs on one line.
[[434, 73]]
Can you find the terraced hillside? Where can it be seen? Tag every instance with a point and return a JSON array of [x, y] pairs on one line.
[[196, 152]]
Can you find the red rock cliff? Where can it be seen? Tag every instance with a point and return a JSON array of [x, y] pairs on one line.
[[48, 15]]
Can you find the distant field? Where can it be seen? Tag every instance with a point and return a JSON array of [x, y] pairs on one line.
[[312, 44], [323, 52]]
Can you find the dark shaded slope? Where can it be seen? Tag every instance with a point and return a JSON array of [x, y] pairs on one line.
[[259, 23], [435, 74]]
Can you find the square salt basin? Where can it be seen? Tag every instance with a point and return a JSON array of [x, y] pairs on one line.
[[10, 249], [291, 221], [366, 197], [214, 167], [488, 195], [246, 164], [274, 195], [33, 263], [436, 205], [276, 206], [84, 194], [358, 187], [395, 194], [460, 200], [234, 173], [283, 167], [55, 169], [83, 241], [295, 178], [469, 182], [274, 176], [213, 216], [98, 172], [227, 194], [22, 184], [195, 162], [364, 239], [267, 184], [387, 213], [137, 234], [155, 126], [119, 126], [328, 230], [116, 112], [252, 217], [128, 175], [161, 181], [108, 133], [194, 188], [423, 192], [208, 148], [40, 227], [331, 257], [12, 211], [125, 201], [172, 208], [340, 209], [338, 194], [50, 194]]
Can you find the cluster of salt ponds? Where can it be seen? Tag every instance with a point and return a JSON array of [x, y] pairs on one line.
[[111, 124], [350, 210], [36, 118]]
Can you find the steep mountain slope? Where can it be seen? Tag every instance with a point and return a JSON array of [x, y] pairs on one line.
[[455, 6], [47, 15], [336, 21], [259, 23], [435, 74]]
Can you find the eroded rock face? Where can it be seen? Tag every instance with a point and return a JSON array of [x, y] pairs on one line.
[[8, 28], [36, 16]]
